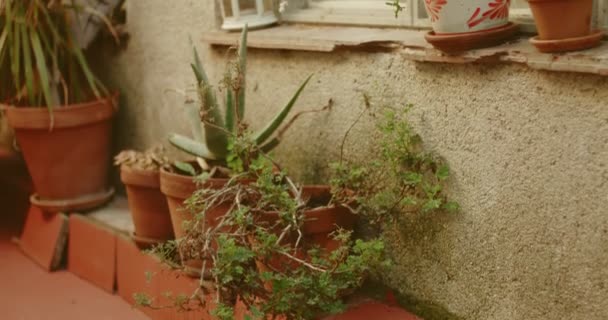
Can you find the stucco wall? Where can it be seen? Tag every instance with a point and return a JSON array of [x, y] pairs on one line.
[[528, 151]]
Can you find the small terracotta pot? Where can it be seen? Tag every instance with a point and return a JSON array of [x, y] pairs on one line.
[[148, 206], [71, 159], [464, 16], [177, 188], [320, 223], [562, 19]]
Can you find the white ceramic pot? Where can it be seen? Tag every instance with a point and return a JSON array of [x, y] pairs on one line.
[[463, 16]]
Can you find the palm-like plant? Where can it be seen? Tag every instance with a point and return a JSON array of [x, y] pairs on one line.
[[211, 136], [40, 62]]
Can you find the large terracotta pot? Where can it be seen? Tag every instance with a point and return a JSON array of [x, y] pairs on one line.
[[464, 16], [70, 159], [148, 206], [562, 19], [177, 188]]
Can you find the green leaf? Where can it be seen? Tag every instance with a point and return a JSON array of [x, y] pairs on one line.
[[27, 63], [412, 178], [192, 112], [42, 70], [431, 204], [243, 73], [185, 167], [270, 145], [263, 135], [197, 67], [91, 79], [451, 206], [230, 108], [192, 147], [3, 49], [16, 58], [443, 172], [215, 137], [197, 73]]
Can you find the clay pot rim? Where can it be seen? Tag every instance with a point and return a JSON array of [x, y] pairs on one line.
[[66, 116], [314, 222], [139, 177], [182, 186]]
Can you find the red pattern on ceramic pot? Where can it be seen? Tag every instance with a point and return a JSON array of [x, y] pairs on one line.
[[465, 16]]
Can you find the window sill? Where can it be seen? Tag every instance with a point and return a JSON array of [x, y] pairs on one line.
[[411, 44]]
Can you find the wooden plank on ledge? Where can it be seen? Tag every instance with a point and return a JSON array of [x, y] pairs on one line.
[[319, 38]]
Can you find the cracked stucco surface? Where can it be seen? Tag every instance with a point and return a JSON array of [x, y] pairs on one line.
[[528, 150]]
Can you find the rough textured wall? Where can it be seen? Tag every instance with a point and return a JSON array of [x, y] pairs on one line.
[[528, 150]]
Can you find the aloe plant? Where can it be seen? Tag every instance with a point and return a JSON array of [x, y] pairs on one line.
[[41, 64], [211, 136]]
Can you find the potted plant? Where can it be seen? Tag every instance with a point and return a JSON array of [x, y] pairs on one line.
[[564, 25], [212, 131], [140, 172], [289, 252], [460, 25], [59, 110]]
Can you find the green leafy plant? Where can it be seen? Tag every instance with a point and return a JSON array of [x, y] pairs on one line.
[[40, 63], [259, 252], [397, 7], [401, 179], [213, 128]]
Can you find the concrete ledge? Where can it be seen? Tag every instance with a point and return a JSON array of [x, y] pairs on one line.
[[411, 44]]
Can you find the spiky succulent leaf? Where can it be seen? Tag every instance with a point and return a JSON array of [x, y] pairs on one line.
[[192, 147], [185, 167], [42, 69], [243, 73], [215, 134], [270, 145], [263, 135], [230, 107], [192, 111]]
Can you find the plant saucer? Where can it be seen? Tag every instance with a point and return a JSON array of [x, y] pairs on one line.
[[570, 44], [82, 203], [458, 42]]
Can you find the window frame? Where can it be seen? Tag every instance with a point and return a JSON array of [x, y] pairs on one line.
[[321, 12]]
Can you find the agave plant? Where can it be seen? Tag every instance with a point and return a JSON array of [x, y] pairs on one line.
[[211, 136], [41, 64]]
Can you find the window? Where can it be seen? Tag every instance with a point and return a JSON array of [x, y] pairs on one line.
[[377, 13]]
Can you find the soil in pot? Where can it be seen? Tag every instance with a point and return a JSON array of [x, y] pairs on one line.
[[177, 188], [68, 157], [148, 206]]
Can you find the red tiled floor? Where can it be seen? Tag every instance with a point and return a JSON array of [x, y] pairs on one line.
[[29, 293]]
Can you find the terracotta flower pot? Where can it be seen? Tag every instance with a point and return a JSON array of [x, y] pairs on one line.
[[71, 159], [464, 16], [148, 206], [562, 19], [320, 222], [177, 188]]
